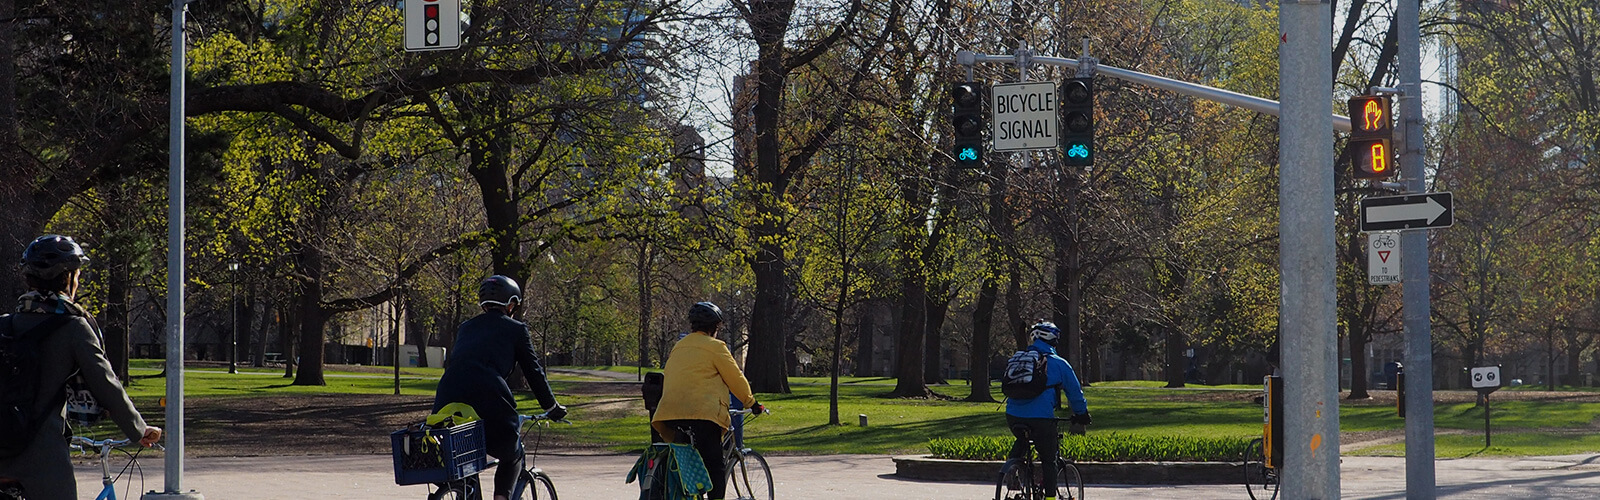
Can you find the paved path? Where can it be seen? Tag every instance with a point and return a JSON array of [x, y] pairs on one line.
[[834, 477]]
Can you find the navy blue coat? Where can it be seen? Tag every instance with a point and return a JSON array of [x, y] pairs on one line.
[[488, 347]]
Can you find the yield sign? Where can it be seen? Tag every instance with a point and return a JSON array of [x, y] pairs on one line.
[[1415, 211], [1383, 258]]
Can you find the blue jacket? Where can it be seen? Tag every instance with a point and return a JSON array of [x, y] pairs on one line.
[[1061, 378]]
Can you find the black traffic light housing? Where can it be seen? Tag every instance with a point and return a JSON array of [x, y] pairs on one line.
[[967, 121], [1371, 134], [1077, 121]]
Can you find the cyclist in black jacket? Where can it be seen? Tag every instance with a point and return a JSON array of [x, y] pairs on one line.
[[488, 347]]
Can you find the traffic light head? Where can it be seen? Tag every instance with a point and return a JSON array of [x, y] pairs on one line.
[[967, 122], [1077, 121], [1371, 132]]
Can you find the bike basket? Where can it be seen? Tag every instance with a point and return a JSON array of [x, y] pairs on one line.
[[424, 455]]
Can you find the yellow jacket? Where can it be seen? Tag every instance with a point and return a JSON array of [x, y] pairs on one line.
[[700, 373]]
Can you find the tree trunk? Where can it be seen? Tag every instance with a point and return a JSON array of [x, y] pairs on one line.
[[1177, 363], [644, 307], [766, 366], [416, 328], [910, 346], [838, 345], [286, 335], [935, 312], [115, 318], [865, 332], [1019, 330], [982, 321], [311, 317], [1360, 335]]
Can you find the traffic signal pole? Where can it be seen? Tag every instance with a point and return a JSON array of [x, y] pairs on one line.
[[1416, 304]]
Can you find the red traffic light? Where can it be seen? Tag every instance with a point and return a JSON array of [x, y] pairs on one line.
[[1371, 130]]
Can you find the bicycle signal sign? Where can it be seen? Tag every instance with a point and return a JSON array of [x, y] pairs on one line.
[[1383, 258], [1486, 377]]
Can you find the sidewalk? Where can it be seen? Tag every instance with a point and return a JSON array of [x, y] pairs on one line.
[[830, 477]]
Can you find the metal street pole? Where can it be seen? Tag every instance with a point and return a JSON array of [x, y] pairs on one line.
[[1415, 277], [175, 271], [1306, 242], [233, 333]]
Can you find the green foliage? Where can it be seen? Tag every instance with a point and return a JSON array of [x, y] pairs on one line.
[[1109, 447]]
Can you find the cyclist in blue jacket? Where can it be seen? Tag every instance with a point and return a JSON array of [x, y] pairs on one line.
[[1037, 414]]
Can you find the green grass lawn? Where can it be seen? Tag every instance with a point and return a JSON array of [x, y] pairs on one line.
[[799, 422]]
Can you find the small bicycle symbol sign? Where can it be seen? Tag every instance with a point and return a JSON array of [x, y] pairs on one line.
[[1078, 150], [969, 154], [1384, 241]]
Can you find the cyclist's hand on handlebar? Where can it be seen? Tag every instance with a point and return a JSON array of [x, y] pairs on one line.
[[758, 408], [556, 412], [152, 435], [1082, 419]]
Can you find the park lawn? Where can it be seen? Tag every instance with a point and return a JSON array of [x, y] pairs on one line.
[[798, 424], [1511, 443]]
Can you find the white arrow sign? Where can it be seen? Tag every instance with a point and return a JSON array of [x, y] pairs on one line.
[[1429, 211], [1412, 211]]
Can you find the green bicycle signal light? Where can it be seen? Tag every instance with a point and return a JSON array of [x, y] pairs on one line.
[[1077, 122], [967, 122]]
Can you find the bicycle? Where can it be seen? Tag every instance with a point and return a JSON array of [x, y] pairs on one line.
[[747, 469], [11, 490], [1016, 480], [532, 484], [1259, 476]]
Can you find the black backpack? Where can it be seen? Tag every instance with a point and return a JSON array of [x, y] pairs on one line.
[[1026, 375], [20, 371]]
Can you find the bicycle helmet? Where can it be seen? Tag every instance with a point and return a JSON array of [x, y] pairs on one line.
[[499, 290], [51, 256], [704, 315], [1045, 330]]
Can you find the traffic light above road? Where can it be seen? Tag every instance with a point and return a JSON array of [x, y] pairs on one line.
[[1371, 132], [967, 122], [1077, 121]]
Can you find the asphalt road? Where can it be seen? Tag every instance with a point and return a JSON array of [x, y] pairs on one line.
[[830, 477]]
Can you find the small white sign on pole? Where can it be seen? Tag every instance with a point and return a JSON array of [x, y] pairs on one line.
[[1383, 258], [433, 25], [1485, 377], [1025, 116]]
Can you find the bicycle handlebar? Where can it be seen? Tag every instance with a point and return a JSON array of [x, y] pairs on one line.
[[523, 419]]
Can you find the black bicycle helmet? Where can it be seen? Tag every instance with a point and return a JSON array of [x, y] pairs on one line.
[[51, 256], [499, 290], [704, 315]]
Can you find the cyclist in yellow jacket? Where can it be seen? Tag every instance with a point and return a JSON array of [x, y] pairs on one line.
[[700, 374]]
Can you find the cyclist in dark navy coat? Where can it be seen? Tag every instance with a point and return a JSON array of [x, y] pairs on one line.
[[488, 347]]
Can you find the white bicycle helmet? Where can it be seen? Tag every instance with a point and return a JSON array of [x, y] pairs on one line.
[[1046, 331]]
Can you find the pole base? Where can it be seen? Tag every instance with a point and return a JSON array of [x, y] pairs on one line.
[[155, 495]]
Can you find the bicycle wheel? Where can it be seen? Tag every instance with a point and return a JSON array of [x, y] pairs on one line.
[[1258, 479], [536, 486], [463, 489], [1016, 478], [751, 477], [1069, 484]]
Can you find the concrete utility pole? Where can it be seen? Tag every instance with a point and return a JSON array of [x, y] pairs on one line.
[[175, 275], [1415, 276], [1306, 318]]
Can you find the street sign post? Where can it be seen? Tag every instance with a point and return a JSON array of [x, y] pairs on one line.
[[432, 25], [1486, 379], [1413, 211], [1383, 258], [1025, 116]]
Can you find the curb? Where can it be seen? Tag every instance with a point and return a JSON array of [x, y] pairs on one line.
[[924, 467]]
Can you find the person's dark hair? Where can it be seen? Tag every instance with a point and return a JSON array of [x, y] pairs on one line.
[[705, 317], [48, 262], [499, 292]]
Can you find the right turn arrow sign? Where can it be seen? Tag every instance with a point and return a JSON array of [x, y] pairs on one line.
[[1417, 211]]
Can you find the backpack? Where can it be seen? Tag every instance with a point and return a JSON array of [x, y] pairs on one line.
[[1026, 375], [20, 371]]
